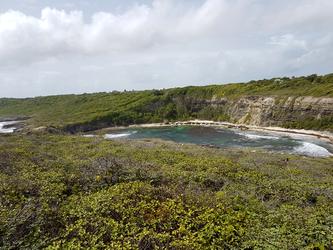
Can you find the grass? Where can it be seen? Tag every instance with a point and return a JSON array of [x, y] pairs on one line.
[[69, 192]]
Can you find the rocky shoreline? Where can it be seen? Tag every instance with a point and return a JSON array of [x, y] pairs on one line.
[[11, 125], [14, 118]]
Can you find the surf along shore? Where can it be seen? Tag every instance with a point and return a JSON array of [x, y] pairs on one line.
[[322, 135]]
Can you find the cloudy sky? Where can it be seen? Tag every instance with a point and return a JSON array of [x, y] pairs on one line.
[[76, 46]]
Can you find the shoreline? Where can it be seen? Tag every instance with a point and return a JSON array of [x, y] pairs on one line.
[[322, 135]]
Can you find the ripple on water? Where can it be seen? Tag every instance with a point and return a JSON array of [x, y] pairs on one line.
[[253, 136]]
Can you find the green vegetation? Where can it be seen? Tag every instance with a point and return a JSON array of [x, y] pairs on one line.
[[92, 111], [69, 192], [312, 85]]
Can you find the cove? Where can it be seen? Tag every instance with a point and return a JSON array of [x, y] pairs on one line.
[[230, 138]]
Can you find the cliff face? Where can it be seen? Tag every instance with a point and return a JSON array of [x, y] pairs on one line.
[[272, 111]]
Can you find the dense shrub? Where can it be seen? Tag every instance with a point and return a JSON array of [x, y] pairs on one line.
[[63, 192]]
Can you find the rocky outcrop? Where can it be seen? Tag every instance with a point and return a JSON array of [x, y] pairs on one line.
[[14, 118], [277, 111]]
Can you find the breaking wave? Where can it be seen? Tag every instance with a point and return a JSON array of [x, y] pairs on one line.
[[7, 130], [311, 149], [120, 135]]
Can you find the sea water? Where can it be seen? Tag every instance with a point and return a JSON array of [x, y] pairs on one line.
[[231, 138]]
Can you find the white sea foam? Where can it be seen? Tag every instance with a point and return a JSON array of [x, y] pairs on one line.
[[113, 136], [311, 149], [257, 136], [7, 130]]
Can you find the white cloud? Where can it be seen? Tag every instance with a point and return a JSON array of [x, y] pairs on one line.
[[163, 44]]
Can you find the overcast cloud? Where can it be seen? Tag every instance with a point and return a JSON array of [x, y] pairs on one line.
[[53, 47]]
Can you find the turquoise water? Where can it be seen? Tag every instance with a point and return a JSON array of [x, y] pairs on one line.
[[230, 138]]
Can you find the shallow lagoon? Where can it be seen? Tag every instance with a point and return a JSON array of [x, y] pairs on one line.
[[231, 138]]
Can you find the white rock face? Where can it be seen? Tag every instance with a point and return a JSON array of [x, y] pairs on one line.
[[275, 111]]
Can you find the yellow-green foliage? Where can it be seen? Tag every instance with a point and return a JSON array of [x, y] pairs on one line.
[[63, 192]]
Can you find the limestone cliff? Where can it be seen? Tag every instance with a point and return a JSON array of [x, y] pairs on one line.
[[271, 110]]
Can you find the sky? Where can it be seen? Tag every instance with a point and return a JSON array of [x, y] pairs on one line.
[[50, 47]]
